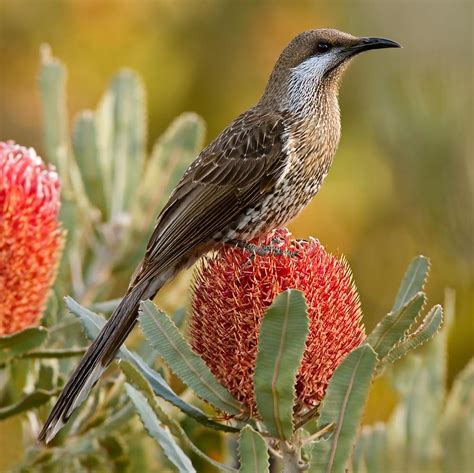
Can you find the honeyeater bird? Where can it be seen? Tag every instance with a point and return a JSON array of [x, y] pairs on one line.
[[258, 174]]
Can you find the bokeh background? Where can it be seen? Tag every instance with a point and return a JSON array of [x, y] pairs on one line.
[[403, 179]]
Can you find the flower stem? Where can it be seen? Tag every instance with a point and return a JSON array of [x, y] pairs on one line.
[[291, 459]]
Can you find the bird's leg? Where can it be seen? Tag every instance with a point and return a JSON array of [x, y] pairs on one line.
[[264, 250]]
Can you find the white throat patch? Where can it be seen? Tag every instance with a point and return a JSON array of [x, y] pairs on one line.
[[305, 77]]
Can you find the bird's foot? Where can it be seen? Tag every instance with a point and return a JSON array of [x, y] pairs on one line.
[[264, 250]]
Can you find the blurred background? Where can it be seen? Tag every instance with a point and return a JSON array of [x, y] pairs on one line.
[[403, 180]]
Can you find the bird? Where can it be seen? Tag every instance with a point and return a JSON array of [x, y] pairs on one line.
[[256, 176]]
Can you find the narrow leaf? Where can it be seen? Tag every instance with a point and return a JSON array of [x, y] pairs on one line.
[[93, 323], [165, 338], [457, 432], [171, 155], [394, 326], [376, 449], [413, 281], [29, 401], [280, 350], [427, 329], [343, 405], [19, 343], [135, 378], [253, 452], [129, 138], [52, 84], [86, 152], [152, 425]]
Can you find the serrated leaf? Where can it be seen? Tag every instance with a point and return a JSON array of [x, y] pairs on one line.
[[427, 329], [93, 323], [343, 405], [29, 401], [413, 281], [86, 152], [280, 350], [394, 326], [152, 425], [420, 380], [253, 452], [17, 344], [135, 378], [165, 338]]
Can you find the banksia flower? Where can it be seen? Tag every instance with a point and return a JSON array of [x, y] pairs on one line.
[[30, 236], [231, 291]]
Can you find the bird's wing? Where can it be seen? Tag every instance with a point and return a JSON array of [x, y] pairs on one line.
[[230, 175]]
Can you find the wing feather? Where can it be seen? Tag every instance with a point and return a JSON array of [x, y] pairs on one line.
[[230, 175]]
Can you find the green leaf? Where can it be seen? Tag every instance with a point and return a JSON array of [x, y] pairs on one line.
[[394, 326], [165, 338], [152, 425], [17, 344], [52, 84], [253, 452], [118, 452], [106, 307], [280, 350], [343, 405], [93, 323], [86, 151], [413, 281], [420, 381], [358, 454], [135, 378], [129, 139], [171, 155], [457, 432], [427, 329], [376, 449], [29, 401]]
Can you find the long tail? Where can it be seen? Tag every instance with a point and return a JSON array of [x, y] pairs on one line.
[[96, 359]]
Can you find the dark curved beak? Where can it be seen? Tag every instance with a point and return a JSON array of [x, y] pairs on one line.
[[365, 44]]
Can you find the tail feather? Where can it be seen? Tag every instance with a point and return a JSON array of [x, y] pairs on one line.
[[95, 361]]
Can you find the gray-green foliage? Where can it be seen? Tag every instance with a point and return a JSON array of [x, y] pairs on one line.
[[343, 405], [430, 430], [111, 193], [253, 452], [280, 350], [165, 338]]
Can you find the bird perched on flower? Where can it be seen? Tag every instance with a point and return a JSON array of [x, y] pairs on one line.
[[30, 236], [231, 293], [258, 174]]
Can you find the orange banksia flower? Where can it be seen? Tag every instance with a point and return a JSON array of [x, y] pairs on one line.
[[30, 235], [231, 291]]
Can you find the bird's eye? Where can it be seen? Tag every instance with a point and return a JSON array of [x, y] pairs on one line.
[[323, 47]]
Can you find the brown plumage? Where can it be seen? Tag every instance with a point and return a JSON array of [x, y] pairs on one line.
[[256, 176]]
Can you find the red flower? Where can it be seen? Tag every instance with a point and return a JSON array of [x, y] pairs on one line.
[[30, 236], [231, 292]]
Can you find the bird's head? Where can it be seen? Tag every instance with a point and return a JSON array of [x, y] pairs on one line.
[[316, 58]]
